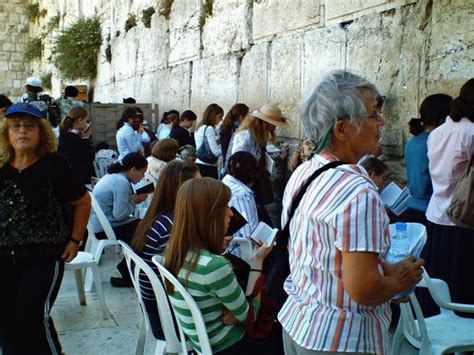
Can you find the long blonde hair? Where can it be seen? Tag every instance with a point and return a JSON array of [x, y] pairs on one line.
[[48, 142], [259, 129], [199, 216]]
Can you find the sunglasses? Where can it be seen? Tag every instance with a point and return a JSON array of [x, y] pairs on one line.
[[29, 126]]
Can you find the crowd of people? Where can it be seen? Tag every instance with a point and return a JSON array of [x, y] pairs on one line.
[[340, 286]]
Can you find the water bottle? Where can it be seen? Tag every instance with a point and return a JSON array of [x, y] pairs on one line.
[[399, 249]]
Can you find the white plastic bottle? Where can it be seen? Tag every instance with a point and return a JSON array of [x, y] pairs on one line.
[[399, 249]]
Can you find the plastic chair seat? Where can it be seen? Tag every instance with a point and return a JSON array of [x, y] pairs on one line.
[[82, 261]]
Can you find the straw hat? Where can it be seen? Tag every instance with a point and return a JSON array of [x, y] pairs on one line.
[[270, 114]]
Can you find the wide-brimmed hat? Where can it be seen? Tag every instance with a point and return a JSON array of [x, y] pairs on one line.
[[22, 107], [34, 81], [270, 114]]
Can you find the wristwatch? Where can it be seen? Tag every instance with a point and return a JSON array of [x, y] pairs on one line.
[[75, 241]]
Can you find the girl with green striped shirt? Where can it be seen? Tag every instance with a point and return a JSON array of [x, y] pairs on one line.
[[201, 218]]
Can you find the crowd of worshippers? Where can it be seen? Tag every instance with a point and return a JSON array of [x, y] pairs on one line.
[[204, 170]]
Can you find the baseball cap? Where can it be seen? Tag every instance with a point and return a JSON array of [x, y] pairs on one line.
[[22, 107], [34, 81]]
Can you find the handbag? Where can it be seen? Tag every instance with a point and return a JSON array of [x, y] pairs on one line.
[[204, 152], [461, 208]]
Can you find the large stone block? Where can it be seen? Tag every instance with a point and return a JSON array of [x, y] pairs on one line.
[[451, 51], [214, 80], [185, 31], [285, 80], [323, 51], [272, 17], [253, 81], [228, 29]]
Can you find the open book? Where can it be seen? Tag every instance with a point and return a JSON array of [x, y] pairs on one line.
[[263, 232], [395, 198]]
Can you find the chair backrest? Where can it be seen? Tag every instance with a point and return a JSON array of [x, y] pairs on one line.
[[192, 305], [414, 326], [136, 266], [104, 222], [101, 165], [439, 291]]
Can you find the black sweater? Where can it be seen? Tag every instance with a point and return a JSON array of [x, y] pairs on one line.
[[80, 154]]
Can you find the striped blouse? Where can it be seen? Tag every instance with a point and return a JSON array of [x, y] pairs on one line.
[[340, 212], [213, 286], [155, 242]]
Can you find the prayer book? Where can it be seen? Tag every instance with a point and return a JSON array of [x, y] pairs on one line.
[[395, 198], [263, 232]]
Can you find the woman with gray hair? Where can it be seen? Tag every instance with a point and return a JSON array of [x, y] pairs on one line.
[[339, 286]]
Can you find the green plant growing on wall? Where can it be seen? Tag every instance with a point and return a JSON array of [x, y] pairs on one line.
[[131, 22], [46, 80], [146, 16], [165, 9], [76, 49], [32, 11], [53, 23], [108, 50], [117, 33], [33, 49]]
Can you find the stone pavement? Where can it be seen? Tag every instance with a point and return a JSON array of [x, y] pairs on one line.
[[82, 329]]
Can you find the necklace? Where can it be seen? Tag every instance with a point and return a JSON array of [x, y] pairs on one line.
[[28, 164]]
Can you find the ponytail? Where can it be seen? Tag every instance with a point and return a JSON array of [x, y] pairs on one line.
[[131, 160], [66, 125], [73, 115], [416, 126]]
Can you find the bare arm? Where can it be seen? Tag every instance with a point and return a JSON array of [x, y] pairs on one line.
[[366, 285], [81, 212]]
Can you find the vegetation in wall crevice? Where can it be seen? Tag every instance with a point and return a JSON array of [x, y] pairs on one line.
[[147, 15], [165, 9], [32, 11], [130, 23], [33, 49]]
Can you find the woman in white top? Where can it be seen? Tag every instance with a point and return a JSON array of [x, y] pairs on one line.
[[167, 122], [450, 150], [207, 132]]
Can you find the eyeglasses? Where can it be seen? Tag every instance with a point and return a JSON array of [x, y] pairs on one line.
[[375, 116], [29, 126]]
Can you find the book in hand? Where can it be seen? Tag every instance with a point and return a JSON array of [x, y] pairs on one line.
[[395, 198], [263, 232], [269, 163], [147, 189]]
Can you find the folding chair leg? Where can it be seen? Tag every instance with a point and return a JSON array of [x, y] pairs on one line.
[[398, 338], [80, 287], [89, 277], [141, 340], [98, 286]]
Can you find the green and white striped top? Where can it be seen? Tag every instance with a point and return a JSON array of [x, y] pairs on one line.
[[213, 285]]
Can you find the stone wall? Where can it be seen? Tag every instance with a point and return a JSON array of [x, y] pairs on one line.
[[227, 51], [13, 36]]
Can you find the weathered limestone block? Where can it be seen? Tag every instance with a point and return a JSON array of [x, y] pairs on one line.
[[184, 27], [323, 51], [253, 81], [272, 17], [285, 80], [214, 80], [125, 54], [228, 29], [451, 50], [172, 88], [338, 8]]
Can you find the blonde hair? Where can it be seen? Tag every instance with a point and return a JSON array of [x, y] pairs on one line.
[[48, 142], [72, 116], [199, 216], [259, 129]]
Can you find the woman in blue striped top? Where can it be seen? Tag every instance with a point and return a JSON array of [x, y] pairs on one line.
[[154, 230], [194, 255]]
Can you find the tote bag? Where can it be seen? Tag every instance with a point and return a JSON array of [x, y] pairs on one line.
[[461, 209]]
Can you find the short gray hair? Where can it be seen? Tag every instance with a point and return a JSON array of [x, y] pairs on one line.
[[336, 96]]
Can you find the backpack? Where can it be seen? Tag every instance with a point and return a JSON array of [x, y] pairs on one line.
[[45, 104], [273, 295]]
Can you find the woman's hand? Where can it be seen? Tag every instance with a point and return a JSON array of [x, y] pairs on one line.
[[136, 199], [259, 254], [285, 148], [228, 318], [70, 251], [408, 271]]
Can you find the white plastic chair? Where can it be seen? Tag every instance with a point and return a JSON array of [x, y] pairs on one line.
[[96, 246], [443, 333], [193, 307], [101, 165], [172, 344], [245, 248], [83, 261]]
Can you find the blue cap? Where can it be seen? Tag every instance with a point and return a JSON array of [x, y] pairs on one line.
[[401, 226], [25, 108]]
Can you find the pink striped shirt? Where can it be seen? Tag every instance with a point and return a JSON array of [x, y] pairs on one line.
[[340, 211]]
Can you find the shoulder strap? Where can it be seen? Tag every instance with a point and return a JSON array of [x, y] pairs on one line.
[[302, 191]]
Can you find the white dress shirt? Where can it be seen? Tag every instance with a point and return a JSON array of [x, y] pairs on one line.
[[450, 148]]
